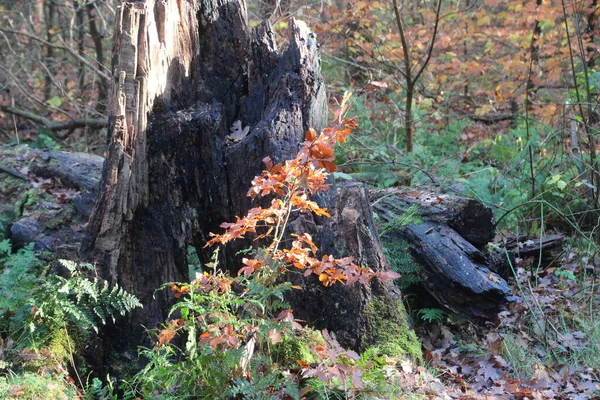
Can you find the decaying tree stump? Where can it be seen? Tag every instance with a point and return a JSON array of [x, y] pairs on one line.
[[184, 73], [447, 241]]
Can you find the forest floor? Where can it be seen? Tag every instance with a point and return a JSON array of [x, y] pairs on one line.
[[543, 347]]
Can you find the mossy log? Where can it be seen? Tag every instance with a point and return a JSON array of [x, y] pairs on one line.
[[446, 238], [46, 196]]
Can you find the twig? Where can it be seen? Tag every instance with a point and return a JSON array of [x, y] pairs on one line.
[[94, 123], [66, 48], [14, 173]]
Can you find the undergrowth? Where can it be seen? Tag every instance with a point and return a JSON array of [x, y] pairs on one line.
[[45, 319]]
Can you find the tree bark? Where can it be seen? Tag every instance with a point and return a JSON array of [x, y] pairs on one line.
[[447, 238], [183, 73]]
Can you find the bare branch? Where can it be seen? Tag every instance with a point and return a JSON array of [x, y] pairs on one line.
[[432, 42], [94, 123], [68, 49]]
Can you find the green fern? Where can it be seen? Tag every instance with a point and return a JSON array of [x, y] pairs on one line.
[[97, 390], [84, 300], [431, 314], [37, 304], [5, 248], [400, 260], [411, 216]]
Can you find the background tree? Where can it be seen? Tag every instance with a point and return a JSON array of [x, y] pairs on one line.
[[53, 75]]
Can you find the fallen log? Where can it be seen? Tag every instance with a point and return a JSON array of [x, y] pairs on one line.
[[538, 254], [468, 217], [46, 196], [454, 269]]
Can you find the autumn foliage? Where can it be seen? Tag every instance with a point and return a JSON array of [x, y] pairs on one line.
[[292, 184], [230, 314]]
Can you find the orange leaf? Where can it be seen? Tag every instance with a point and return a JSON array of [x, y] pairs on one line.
[[216, 341], [165, 336], [204, 338], [180, 290], [328, 165], [388, 276], [268, 162], [310, 135]]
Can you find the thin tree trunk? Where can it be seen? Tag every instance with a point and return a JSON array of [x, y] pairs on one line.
[[99, 49]]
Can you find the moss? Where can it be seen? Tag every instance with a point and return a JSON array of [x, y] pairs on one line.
[[36, 387], [28, 200], [295, 347], [390, 332], [62, 216], [59, 345], [11, 188]]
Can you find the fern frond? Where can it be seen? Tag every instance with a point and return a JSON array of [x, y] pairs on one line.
[[401, 261], [70, 265]]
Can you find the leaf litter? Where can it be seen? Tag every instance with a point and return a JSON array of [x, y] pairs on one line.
[[545, 346]]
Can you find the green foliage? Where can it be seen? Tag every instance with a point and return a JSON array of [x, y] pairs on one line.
[[296, 346], [45, 318], [566, 274], [397, 251], [411, 216], [431, 315], [5, 247], [401, 261], [216, 323], [98, 390], [505, 170], [45, 140], [206, 367], [5, 221], [41, 309], [21, 276], [33, 386], [79, 301]]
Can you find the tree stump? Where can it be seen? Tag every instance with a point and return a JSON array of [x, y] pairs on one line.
[[184, 74]]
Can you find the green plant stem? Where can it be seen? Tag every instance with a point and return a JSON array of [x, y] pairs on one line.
[[559, 212], [578, 98]]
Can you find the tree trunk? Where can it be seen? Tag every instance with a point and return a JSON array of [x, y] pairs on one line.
[[183, 74]]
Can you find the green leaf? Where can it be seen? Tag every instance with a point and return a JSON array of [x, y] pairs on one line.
[[55, 101], [5, 247], [342, 175]]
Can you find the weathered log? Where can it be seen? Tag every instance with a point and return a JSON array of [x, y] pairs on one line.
[[540, 253], [50, 215], [172, 175], [467, 216], [454, 271]]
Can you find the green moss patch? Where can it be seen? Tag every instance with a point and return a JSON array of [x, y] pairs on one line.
[[390, 332], [296, 347]]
